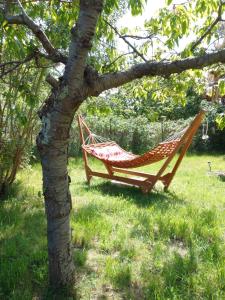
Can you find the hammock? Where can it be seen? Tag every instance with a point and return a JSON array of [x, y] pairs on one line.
[[115, 158]]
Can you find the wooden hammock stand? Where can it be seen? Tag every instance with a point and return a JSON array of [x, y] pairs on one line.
[[117, 160]]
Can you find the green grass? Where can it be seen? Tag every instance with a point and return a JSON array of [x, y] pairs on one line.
[[127, 245]]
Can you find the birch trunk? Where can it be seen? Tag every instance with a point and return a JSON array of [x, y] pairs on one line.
[[52, 143]]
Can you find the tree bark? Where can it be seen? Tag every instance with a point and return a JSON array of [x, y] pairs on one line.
[[52, 142]]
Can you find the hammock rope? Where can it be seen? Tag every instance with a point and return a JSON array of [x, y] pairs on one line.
[[112, 154], [100, 139], [118, 160], [176, 136], [96, 138]]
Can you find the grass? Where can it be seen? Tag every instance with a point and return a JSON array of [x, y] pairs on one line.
[[127, 245]]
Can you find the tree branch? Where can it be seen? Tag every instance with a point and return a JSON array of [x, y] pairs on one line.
[[10, 66], [138, 37], [210, 28], [24, 19], [112, 80], [117, 58], [81, 42], [126, 41], [52, 81]]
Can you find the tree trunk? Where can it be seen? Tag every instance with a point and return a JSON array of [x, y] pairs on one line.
[[52, 144]]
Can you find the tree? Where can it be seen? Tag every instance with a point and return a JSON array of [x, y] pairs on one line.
[[18, 120], [40, 29]]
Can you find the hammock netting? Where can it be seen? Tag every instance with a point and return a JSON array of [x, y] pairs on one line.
[[117, 160], [112, 154]]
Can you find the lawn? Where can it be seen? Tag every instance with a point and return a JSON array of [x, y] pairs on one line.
[[127, 245]]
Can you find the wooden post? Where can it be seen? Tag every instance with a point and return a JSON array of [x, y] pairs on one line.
[[84, 153], [185, 148], [186, 141]]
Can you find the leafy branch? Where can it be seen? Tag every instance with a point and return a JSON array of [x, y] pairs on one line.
[[125, 40], [23, 19], [8, 67], [106, 66], [210, 28]]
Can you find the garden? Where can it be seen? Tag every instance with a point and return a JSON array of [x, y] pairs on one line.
[[152, 110]]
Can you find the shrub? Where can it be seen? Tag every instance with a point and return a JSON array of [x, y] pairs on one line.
[[18, 121]]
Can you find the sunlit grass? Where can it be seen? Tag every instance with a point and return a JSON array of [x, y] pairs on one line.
[[127, 245]]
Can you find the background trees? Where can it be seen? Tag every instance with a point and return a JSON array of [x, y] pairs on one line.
[[19, 103]]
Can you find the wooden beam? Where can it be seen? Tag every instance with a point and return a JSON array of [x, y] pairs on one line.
[[133, 181], [137, 173]]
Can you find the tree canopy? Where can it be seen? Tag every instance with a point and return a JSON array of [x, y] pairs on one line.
[[180, 31], [46, 34]]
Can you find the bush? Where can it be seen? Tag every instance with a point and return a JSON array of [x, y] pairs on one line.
[[19, 103]]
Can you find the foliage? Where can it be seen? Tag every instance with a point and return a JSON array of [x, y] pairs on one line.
[[126, 244], [173, 23], [57, 16], [136, 123], [216, 132], [126, 102], [19, 103], [22, 90], [220, 120]]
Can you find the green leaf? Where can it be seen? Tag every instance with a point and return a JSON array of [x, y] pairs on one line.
[[221, 85], [4, 24], [184, 26], [168, 2], [220, 120]]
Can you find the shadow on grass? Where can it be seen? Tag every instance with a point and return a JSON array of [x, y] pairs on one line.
[[23, 245], [23, 248], [159, 199], [11, 191]]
